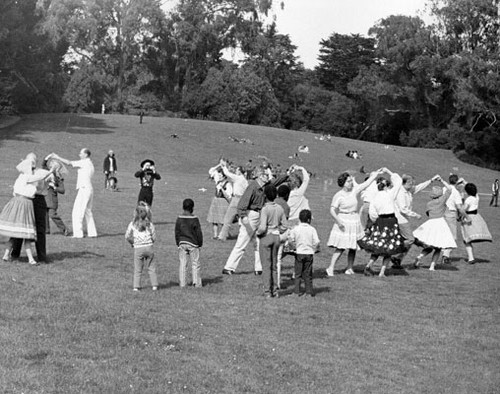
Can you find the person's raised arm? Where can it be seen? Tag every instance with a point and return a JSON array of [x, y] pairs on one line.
[[61, 159], [362, 186]]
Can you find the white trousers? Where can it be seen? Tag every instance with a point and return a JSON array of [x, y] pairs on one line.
[[83, 209], [245, 236]]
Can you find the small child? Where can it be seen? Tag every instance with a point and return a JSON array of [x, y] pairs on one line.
[[305, 239], [189, 240], [141, 234]]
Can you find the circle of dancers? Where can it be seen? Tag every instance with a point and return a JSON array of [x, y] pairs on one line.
[[266, 207]]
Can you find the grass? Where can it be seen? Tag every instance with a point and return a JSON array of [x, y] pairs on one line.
[[75, 326]]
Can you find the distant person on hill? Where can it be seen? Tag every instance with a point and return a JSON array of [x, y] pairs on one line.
[[236, 176], [141, 235], [147, 176], [435, 234], [305, 241], [110, 169], [347, 230], [189, 240], [454, 211], [474, 228], [221, 199], [141, 115], [494, 193], [82, 207]]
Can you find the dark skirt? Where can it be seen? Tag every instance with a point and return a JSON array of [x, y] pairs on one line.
[[146, 195], [383, 237]]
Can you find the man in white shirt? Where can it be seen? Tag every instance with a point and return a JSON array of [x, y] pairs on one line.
[[240, 183], [404, 211], [453, 209], [82, 207]]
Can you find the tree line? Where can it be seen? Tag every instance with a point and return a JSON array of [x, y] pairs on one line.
[[405, 83]]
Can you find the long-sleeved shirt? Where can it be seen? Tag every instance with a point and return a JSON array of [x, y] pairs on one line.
[[140, 239], [305, 238], [85, 173], [188, 231], [253, 199], [437, 206], [404, 202], [240, 182], [147, 178], [297, 200], [272, 218]]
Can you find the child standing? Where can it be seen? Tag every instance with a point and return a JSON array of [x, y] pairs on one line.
[[272, 218], [141, 234], [189, 240], [305, 239]]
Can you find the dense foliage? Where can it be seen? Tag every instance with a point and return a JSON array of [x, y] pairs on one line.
[[406, 83]]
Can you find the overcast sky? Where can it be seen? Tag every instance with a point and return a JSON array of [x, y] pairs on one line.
[[309, 21]]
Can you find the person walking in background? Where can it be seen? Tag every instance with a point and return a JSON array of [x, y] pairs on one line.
[[305, 241], [82, 208], [239, 183], [435, 234], [347, 230], [189, 240], [494, 193], [147, 176], [110, 169], [55, 184], [272, 218], [220, 201], [454, 211], [474, 228], [383, 238], [141, 234]]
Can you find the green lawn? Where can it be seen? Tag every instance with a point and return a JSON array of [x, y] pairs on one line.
[[75, 326]]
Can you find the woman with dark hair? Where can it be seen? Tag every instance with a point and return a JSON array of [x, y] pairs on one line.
[[347, 229], [383, 238], [474, 228], [221, 199]]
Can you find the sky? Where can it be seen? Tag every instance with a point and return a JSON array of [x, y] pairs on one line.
[[307, 22]]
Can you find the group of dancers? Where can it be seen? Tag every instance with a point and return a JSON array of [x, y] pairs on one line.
[[382, 226]]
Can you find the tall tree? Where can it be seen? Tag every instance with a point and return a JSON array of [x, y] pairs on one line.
[[340, 58], [109, 35]]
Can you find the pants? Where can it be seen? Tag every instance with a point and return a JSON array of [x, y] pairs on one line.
[[52, 214], [143, 258], [146, 195], [451, 219], [231, 213], [303, 270], [110, 174], [268, 249], [82, 208], [494, 199], [245, 236], [193, 252]]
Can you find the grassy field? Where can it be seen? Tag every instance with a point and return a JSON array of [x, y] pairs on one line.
[[75, 326]]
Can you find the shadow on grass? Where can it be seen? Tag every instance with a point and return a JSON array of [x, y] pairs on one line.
[[61, 256], [66, 123]]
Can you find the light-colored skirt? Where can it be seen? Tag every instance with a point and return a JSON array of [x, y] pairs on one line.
[[476, 231], [435, 233], [17, 219], [353, 232], [217, 210]]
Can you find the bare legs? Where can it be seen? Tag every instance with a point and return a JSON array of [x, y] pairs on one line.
[[351, 254], [28, 246]]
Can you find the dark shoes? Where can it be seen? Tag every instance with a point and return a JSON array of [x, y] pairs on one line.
[[446, 260], [473, 261], [227, 272], [369, 272], [396, 264], [258, 272]]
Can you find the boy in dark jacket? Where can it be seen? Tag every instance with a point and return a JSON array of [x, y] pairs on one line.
[[189, 240]]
